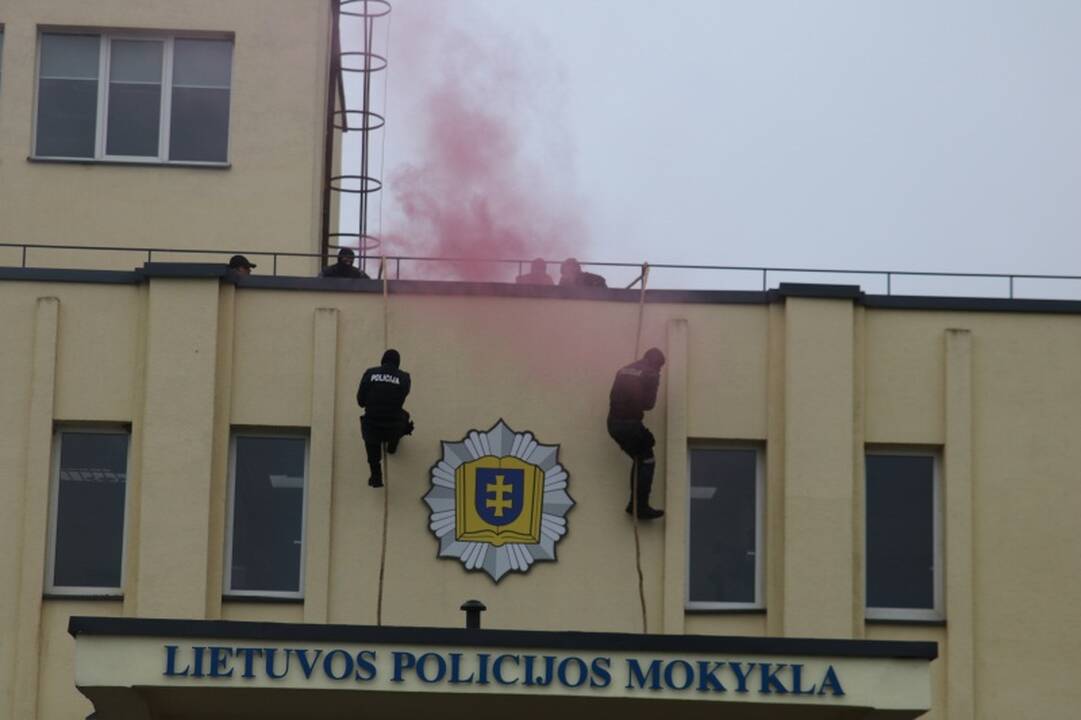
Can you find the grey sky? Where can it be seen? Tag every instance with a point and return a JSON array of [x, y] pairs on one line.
[[919, 134]]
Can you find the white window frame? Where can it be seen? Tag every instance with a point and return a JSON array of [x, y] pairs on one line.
[[51, 588], [760, 531], [227, 590], [938, 612], [165, 120]]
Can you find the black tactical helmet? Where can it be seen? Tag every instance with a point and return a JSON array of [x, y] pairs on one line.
[[392, 358]]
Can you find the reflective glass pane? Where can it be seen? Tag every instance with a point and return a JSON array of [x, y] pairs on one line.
[[90, 510], [268, 505], [724, 519], [69, 56], [67, 118], [900, 531], [134, 120], [199, 129], [202, 63], [136, 61]]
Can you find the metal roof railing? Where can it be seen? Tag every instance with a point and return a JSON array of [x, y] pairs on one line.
[[722, 277]]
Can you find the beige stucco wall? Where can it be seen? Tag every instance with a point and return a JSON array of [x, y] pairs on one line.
[[812, 379], [269, 198]]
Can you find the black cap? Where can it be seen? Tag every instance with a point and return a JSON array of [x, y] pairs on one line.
[[346, 252], [239, 261], [392, 358]]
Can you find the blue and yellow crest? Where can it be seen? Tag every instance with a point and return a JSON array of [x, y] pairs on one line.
[[498, 500]]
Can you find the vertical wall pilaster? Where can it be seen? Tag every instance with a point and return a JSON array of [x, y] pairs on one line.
[[219, 475], [177, 448], [321, 466], [859, 461], [818, 467], [959, 527], [775, 530], [675, 462], [33, 515]]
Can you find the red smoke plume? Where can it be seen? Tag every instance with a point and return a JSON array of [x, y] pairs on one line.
[[478, 189]]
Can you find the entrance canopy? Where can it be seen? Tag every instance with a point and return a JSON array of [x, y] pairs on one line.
[[142, 669]]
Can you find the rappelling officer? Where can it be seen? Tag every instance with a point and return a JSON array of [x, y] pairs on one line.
[[633, 392], [382, 393]]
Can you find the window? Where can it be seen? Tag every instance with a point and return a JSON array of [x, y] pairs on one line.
[[86, 518], [264, 554], [904, 536], [726, 529], [133, 97]]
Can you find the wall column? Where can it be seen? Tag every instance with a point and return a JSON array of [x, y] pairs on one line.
[[34, 509], [775, 530], [675, 463], [317, 550], [959, 528], [177, 452], [818, 464]]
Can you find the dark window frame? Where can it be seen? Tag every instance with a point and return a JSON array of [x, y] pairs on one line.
[[937, 612], [51, 588], [759, 603], [228, 591]]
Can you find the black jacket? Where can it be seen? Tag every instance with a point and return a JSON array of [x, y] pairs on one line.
[[634, 391], [343, 270], [382, 391], [584, 279]]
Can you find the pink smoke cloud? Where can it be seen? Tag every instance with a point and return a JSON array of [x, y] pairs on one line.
[[490, 176]]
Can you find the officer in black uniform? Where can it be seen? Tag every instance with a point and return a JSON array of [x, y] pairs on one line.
[[633, 392], [382, 393], [344, 268]]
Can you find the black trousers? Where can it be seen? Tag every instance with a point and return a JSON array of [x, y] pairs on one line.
[[636, 440], [377, 430]]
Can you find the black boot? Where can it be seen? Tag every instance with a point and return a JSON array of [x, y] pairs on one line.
[[376, 480], [645, 485]]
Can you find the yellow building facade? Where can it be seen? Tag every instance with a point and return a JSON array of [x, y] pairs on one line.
[[871, 501]]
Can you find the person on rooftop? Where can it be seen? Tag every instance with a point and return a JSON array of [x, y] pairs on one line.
[[344, 268], [571, 273], [240, 265], [537, 275]]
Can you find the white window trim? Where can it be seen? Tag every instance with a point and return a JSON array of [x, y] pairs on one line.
[[227, 590], [51, 587], [101, 120], [938, 612], [760, 532]]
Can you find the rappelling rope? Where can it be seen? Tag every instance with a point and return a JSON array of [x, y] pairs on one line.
[[383, 447], [634, 464]]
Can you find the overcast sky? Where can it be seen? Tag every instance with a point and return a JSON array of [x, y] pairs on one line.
[[901, 134]]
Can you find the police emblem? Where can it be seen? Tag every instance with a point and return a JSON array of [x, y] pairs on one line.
[[499, 500]]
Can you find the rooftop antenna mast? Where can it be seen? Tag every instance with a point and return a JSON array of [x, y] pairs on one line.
[[353, 65]]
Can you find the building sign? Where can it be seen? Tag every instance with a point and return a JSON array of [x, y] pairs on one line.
[[499, 500], [494, 670], [374, 672]]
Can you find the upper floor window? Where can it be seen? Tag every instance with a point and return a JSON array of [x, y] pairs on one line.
[[133, 97], [904, 553], [264, 554], [86, 518], [726, 529]]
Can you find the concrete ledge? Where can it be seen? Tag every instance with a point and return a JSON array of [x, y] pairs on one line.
[[300, 632]]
